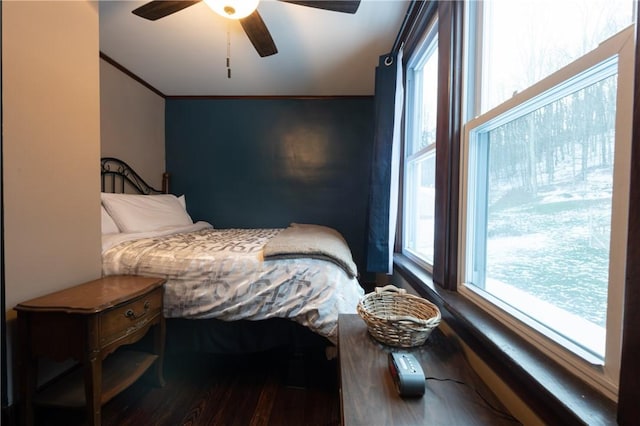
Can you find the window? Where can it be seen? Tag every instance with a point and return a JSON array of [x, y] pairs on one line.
[[545, 174], [420, 150], [512, 45]]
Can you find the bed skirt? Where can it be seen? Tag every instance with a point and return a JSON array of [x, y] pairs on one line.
[[243, 336]]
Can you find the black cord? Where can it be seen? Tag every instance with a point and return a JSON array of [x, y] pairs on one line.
[[500, 412]]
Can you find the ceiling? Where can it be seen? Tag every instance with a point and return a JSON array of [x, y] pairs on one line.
[[320, 53]]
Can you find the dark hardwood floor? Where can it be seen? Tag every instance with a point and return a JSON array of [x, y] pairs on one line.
[[272, 388]]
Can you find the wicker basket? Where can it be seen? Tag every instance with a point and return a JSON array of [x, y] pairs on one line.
[[396, 318]]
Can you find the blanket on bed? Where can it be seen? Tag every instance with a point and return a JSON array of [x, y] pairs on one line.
[[315, 241], [221, 273]]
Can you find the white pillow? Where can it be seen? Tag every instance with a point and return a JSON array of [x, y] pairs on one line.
[[108, 225], [141, 213]]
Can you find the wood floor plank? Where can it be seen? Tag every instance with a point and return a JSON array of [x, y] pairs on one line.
[[264, 407]]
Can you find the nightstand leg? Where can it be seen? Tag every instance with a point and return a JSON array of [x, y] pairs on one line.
[[158, 348], [93, 389], [29, 373], [28, 370]]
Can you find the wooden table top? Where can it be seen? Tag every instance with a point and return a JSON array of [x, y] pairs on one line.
[[370, 398], [94, 296]]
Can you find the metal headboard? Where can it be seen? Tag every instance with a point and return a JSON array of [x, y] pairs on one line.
[[116, 176]]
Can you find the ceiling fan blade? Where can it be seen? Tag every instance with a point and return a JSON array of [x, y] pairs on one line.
[[160, 8], [344, 6], [259, 35]]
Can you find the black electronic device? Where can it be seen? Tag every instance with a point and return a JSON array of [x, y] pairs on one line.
[[407, 374]]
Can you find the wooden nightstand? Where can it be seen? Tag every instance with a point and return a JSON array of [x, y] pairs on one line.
[[89, 322]]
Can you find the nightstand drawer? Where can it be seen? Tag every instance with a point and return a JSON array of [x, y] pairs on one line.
[[130, 317]]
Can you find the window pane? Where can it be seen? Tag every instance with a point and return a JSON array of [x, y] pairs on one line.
[[525, 41], [545, 231], [424, 107], [419, 197], [421, 204]]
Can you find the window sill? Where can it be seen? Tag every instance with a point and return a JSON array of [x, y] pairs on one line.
[[556, 396]]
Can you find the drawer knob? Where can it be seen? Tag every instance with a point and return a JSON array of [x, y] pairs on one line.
[[132, 315]]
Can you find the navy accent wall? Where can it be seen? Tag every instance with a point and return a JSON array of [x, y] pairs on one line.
[[250, 163]]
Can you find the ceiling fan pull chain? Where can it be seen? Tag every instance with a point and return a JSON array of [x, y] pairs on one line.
[[228, 52]]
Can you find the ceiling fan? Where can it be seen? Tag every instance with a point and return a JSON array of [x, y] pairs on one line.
[[245, 11]]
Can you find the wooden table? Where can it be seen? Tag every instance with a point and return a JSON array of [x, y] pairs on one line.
[[368, 396], [89, 322]]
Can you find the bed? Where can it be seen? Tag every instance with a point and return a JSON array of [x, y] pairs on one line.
[[227, 290]]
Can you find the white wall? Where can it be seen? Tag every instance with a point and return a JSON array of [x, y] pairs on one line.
[[51, 148], [132, 123]]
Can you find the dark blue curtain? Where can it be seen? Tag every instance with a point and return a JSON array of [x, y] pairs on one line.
[[383, 201]]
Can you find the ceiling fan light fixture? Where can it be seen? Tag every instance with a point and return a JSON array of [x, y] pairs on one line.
[[233, 9]]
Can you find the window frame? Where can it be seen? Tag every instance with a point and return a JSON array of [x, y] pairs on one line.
[[556, 396], [428, 45], [572, 357]]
